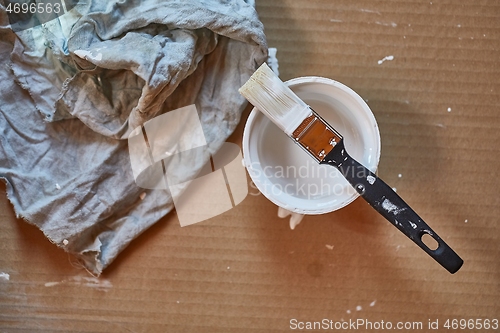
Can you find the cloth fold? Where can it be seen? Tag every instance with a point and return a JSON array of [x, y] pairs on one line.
[[73, 89]]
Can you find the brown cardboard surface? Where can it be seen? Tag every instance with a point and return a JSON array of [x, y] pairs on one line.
[[437, 105]]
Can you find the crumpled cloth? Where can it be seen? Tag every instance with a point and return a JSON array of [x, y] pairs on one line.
[[73, 89]]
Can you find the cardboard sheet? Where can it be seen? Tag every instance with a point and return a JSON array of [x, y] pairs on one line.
[[429, 70]]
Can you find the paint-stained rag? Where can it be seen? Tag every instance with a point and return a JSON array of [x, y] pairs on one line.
[[72, 90]]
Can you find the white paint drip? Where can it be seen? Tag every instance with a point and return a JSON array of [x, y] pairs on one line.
[[4, 276], [272, 60], [87, 55], [371, 179], [91, 282], [329, 247], [391, 208], [388, 58], [359, 308], [373, 303], [295, 218], [58, 187]]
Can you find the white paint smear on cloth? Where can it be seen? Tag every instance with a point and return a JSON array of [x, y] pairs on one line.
[[88, 55]]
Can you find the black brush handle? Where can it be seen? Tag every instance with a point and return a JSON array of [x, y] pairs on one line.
[[391, 206]]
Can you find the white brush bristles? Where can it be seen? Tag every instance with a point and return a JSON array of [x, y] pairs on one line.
[[279, 103]]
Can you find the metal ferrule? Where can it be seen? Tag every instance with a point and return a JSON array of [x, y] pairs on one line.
[[316, 136]]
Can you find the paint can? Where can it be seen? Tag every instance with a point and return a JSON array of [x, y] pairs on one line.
[[287, 175]]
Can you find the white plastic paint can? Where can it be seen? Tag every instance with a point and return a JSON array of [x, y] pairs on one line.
[[288, 176]]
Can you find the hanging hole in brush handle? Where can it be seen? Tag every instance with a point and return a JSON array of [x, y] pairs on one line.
[[429, 241], [390, 205]]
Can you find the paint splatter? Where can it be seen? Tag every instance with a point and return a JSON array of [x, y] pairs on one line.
[[58, 187], [359, 308], [4, 276], [369, 11], [65, 242], [466, 221], [391, 208], [449, 109], [91, 282], [348, 311], [400, 175], [329, 247], [388, 58], [373, 303], [371, 179], [387, 24]]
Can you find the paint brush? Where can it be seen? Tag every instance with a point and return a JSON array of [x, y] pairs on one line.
[[324, 144]]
